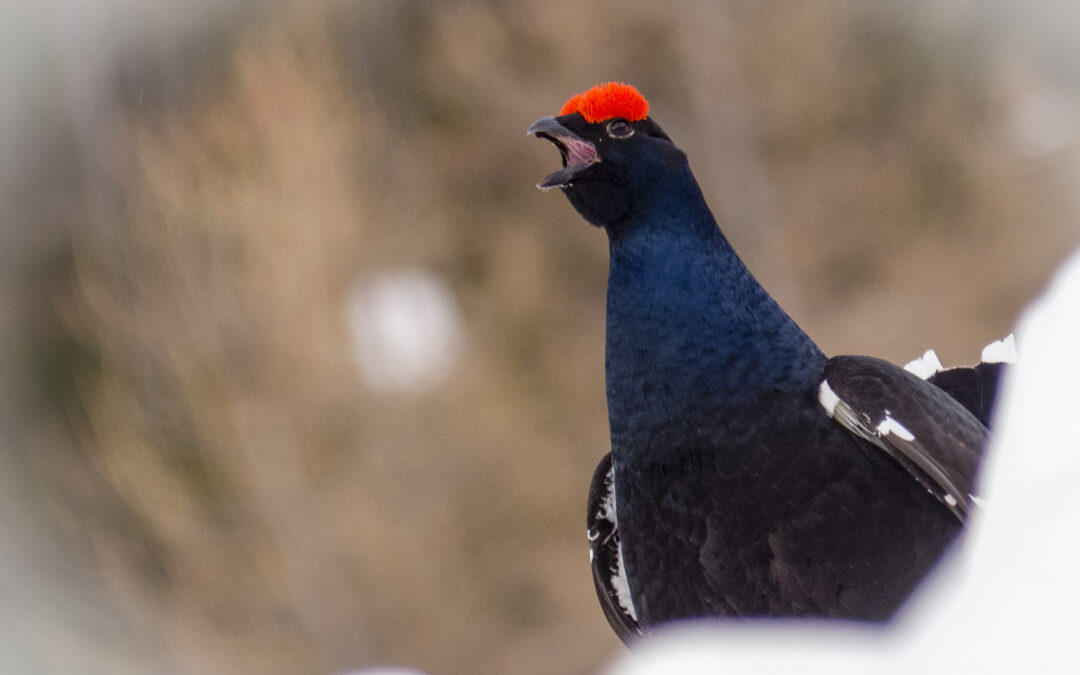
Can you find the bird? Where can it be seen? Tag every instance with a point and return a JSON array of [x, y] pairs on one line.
[[749, 474]]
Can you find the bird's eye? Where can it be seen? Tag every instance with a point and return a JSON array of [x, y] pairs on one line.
[[619, 128]]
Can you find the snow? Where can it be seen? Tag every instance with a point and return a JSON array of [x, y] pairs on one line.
[[1007, 600], [1041, 122]]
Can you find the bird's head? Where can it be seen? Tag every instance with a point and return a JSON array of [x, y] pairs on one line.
[[616, 160]]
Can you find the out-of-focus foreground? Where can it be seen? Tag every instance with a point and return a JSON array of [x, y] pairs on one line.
[[300, 372]]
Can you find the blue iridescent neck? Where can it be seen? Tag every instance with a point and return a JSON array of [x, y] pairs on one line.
[[691, 335]]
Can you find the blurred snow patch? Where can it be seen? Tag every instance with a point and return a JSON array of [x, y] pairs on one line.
[[1006, 601], [1040, 123], [762, 646], [407, 330]]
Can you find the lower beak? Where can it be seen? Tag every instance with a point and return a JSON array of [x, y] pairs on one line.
[[578, 154]]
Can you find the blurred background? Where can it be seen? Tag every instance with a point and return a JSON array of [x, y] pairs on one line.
[[300, 373]]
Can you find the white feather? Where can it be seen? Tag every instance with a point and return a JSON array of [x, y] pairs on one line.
[[1000, 351], [619, 580], [621, 585], [926, 365], [891, 426], [828, 398]]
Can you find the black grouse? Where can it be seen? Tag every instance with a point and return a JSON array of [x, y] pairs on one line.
[[749, 474]]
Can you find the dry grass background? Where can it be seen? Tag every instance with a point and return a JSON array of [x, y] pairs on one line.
[[195, 468]]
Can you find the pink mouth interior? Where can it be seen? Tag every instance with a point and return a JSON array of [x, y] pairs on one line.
[[579, 152]]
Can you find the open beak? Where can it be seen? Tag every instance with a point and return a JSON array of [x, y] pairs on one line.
[[577, 153]]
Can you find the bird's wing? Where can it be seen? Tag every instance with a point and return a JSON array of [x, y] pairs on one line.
[[975, 387], [932, 435], [605, 552]]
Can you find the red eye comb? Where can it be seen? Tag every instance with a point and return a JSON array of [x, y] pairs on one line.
[[608, 100]]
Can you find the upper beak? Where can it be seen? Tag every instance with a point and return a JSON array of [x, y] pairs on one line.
[[577, 153]]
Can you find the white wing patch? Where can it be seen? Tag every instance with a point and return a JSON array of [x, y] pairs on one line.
[[883, 433], [1000, 351], [891, 426], [859, 423], [926, 365], [619, 580], [621, 585], [607, 509]]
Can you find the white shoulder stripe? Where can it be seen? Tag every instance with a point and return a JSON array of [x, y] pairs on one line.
[[828, 398], [846, 416]]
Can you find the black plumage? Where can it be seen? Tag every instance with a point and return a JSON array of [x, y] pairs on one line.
[[975, 388], [749, 475]]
